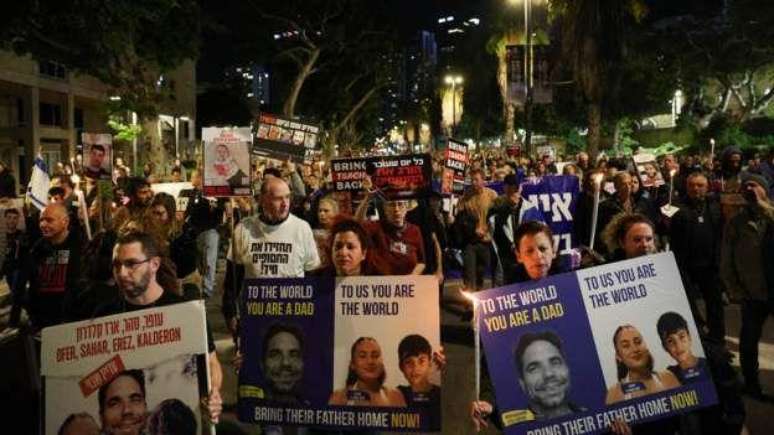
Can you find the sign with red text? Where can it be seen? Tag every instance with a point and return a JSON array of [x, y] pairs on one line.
[[455, 162], [226, 161], [396, 177], [281, 138], [156, 357]]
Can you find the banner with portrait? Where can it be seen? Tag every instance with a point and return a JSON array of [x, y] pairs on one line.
[[128, 371], [283, 139], [648, 170], [556, 196], [97, 156], [455, 162], [570, 353], [396, 177], [226, 161], [354, 353]]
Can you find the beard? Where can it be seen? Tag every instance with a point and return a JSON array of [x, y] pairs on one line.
[[136, 289]]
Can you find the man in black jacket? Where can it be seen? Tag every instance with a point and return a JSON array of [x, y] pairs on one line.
[[53, 270], [696, 236]]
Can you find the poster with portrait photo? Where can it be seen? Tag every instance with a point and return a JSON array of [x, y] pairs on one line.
[[648, 170], [350, 353], [97, 155], [226, 161], [564, 372], [283, 138], [152, 359]]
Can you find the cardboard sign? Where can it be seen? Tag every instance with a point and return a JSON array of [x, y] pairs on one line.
[[284, 139], [570, 353], [304, 341], [163, 348], [397, 177]]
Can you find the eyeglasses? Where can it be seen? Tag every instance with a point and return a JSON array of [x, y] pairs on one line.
[[129, 264]]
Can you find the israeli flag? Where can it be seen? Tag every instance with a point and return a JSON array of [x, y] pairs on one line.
[[37, 190]]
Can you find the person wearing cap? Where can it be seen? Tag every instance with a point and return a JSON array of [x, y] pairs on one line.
[[507, 213], [743, 268]]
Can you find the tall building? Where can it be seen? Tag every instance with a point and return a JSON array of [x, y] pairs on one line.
[[255, 83], [44, 108], [451, 30]]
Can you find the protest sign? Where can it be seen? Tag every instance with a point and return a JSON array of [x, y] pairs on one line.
[[647, 170], [282, 138], [456, 160], [98, 155], [397, 177], [226, 161], [321, 328], [592, 346], [155, 356], [556, 196]]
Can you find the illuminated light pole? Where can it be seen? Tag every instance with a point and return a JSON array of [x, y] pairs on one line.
[[453, 80]]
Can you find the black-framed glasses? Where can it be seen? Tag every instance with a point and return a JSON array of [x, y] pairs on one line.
[[129, 264]]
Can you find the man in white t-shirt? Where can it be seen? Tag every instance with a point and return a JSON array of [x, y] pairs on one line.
[[273, 244]]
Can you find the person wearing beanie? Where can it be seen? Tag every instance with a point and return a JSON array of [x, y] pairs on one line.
[[743, 268]]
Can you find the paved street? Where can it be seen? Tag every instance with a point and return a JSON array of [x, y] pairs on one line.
[[458, 382]]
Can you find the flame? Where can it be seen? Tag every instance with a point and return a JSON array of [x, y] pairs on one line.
[[597, 178], [672, 172], [469, 296], [75, 179]]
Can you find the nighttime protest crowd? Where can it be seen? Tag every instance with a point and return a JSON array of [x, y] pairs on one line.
[[80, 256]]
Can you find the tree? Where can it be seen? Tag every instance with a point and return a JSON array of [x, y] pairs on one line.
[[725, 59], [125, 43], [594, 44]]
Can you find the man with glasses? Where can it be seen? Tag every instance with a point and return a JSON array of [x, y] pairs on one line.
[[52, 269], [136, 260]]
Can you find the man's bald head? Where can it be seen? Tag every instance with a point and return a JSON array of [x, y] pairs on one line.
[[54, 221], [275, 200]]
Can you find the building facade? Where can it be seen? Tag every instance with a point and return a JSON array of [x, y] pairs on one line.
[[44, 108]]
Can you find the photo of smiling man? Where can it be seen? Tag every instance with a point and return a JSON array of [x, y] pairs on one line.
[[677, 342], [544, 376], [283, 363]]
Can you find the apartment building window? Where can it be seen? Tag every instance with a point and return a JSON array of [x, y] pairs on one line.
[[50, 114], [53, 69], [183, 126]]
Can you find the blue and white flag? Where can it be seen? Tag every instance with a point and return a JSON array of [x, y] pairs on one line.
[[37, 190]]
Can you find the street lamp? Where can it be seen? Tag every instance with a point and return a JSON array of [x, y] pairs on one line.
[[453, 80]]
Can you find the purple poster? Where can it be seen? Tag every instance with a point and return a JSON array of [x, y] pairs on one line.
[[585, 348], [556, 196], [355, 353]]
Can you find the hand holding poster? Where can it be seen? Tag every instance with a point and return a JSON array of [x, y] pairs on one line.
[[98, 149], [152, 358], [594, 346], [282, 138], [226, 161], [398, 177], [341, 355]]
